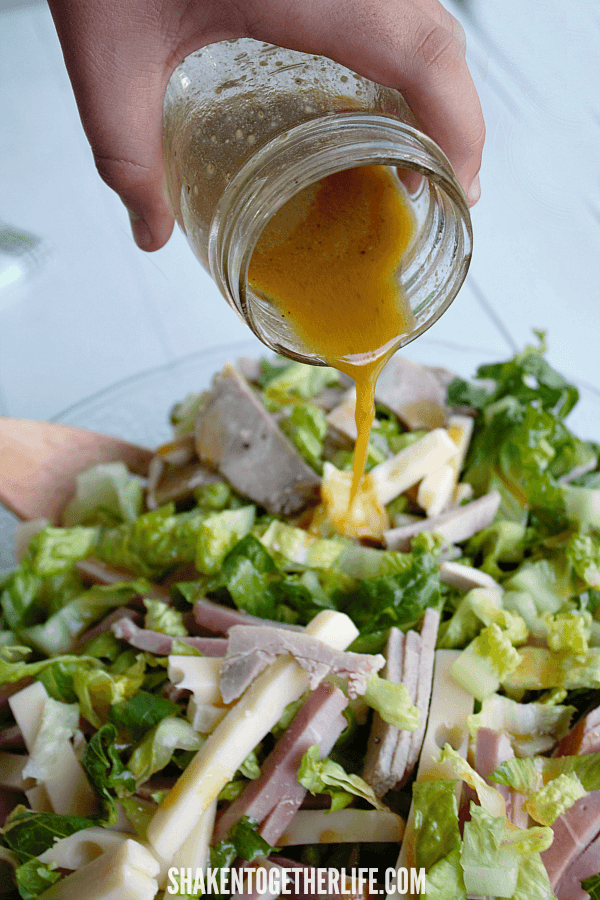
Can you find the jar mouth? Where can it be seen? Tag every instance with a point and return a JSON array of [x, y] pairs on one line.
[[435, 266]]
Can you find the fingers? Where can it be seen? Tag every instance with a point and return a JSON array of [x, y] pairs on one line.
[[414, 46]]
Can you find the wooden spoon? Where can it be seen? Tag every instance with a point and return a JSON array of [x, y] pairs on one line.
[[39, 462]]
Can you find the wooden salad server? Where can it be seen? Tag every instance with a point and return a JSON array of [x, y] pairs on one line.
[[39, 462]]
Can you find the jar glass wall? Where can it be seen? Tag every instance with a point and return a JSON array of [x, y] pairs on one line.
[[247, 125]]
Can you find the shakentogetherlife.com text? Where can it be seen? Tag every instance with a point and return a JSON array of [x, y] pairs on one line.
[[278, 881]]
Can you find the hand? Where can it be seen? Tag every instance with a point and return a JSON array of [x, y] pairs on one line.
[[120, 55]]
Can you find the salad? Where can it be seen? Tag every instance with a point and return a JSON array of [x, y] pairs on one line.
[[201, 673]]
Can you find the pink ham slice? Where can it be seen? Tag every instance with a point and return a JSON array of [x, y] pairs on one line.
[[573, 832], [252, 649], [491, 749], [218, 619], [160, 644], [583, 738], [274, 798], [586, 865]]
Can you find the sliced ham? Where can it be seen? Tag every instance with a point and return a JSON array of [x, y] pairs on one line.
[[94, 571], [218, 619], [236, 436], [123, 612], [491, 749], [251, 649], [586, 865], [413, 393], [160, 644], [455, 526], [274, 797], [573, 832]]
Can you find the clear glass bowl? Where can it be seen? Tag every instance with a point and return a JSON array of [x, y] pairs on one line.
[[137, 408]]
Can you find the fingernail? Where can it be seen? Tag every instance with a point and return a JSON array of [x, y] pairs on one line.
[[474, 192], [141, 233]]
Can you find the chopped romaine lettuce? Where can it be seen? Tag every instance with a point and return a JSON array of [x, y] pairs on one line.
[[106, 492], [33, 877], [531, 727], [323, 776], [109, 777], [486, 662], [155, 750], [306, 427], [392, 702], [436, 821], [218, 534], [134, 717], [163, 618]]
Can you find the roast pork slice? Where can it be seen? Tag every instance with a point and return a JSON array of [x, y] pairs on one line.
[[410, 679], [236, 436], [160, 644], [454, 526], [251, 649], [573, 832], [429, 633], [413, 393], [383, 737], [274, 797], [219, 619]]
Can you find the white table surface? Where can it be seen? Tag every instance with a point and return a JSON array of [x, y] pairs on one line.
[[99, 310]]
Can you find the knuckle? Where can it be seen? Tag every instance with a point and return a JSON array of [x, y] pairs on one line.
[[437, 48], [121, 174]]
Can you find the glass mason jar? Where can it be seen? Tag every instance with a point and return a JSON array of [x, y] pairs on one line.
[[247, 125]]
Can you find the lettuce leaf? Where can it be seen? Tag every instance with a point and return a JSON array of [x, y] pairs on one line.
[[57, 634], [306, 427], [108, 489], [592, 886], [392, 702], [436, 821], [154, 543], [136, 716], [155, 750], [29, 834], [502, 861], [486, 662], [445, 880], [532, 728], [218, 534], [323, 776], [163, 618], [108, 775], [34, 877]]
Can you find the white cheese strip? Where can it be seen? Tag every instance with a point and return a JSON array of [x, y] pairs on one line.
[[463, 492], [465, 578], [343, 826], [38, 799], [447, 724], [27, 706], [79, 849], [343, 416], [11, 771], [203, 717], [437, 488], [194, 852], [252, 717], [198, 674], [394, 476], [68, 789], [126, 873]]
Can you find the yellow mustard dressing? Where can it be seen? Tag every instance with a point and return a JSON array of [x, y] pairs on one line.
[[328, 261]]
